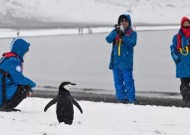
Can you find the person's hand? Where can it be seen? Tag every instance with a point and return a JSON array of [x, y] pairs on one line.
[[117, 28], [29, 94], [121, 33]]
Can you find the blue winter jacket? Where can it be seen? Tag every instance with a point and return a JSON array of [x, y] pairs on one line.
[[13, 66], [125, 60], [182, 61]]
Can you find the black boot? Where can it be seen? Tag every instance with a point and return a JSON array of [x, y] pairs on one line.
[[9, 110], [5, 108], [185, 92]]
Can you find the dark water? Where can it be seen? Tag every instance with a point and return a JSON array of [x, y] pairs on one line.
[[84, 59]]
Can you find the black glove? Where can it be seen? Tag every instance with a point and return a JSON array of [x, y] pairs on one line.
[[117, 28], [121, 33]]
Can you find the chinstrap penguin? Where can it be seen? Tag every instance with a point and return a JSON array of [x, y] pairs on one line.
[[65, 101]]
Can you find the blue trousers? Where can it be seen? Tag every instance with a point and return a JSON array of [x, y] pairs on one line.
[[124, 85]]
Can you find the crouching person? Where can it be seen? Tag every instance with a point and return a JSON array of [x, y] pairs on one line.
[[14, 86]]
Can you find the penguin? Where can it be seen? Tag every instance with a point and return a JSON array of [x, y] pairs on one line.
[[65, 101]]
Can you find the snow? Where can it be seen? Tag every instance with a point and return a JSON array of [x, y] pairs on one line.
[[97, 119], [95, 11], [103, 12]]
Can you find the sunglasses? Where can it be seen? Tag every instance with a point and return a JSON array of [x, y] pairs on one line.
[[124, 20]]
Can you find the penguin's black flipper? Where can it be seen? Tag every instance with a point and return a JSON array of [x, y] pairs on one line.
[[50, 103], [77, 105]]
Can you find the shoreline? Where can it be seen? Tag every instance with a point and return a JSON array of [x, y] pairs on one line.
[[67, 25], [12, 33]]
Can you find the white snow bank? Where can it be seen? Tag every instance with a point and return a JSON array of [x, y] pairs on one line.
[[95, 11], [97, 119]]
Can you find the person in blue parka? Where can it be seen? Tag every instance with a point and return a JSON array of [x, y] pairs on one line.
[[180, 53], [14, 86], [123, 39]]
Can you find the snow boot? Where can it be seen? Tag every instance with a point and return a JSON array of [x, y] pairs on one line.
[[185, 92], [9, 110]]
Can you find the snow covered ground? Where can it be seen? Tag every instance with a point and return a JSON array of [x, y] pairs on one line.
[[92, 11], [97, 119]]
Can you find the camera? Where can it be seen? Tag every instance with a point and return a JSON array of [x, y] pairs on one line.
[[119, 28]]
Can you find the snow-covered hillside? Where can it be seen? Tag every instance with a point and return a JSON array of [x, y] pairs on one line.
[[103, 12]]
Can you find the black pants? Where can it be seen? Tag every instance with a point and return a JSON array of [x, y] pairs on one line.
[[185, 89], [21, 93]]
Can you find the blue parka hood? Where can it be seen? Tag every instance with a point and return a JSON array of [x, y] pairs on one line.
[[125, 16], [20, 47]]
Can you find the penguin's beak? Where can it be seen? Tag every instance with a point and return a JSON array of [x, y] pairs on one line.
[[72, 84]]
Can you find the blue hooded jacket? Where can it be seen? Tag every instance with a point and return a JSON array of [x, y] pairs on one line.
[[125, 60], [13, 66], [182, 60]]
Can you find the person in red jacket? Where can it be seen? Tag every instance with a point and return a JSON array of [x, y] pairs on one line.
[[180, 53]]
